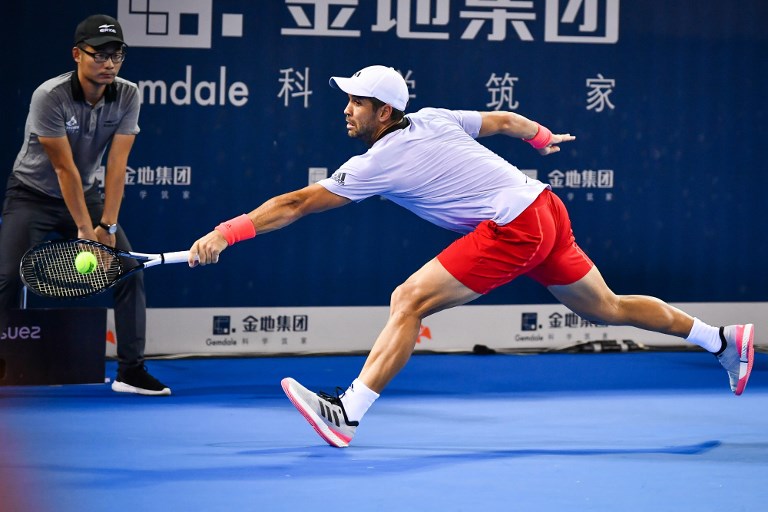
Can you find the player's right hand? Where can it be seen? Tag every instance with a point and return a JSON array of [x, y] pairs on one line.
[[207, 249]]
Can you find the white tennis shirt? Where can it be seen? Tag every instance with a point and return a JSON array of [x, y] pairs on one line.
[[436, 169]]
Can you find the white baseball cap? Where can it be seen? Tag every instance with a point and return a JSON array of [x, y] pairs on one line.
[[380, 82]]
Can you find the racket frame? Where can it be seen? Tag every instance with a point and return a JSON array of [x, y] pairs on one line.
[[143, 260]]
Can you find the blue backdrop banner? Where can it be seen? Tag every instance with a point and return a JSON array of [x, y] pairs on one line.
[[666, 99]]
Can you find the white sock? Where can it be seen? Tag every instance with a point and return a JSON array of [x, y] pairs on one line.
[[357, 400], [705, 336]]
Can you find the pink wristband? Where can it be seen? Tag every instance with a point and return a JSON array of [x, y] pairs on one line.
[[542, 138], [237, 229]]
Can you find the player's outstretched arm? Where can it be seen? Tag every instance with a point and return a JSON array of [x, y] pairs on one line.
[[273, 214], [515, 125]]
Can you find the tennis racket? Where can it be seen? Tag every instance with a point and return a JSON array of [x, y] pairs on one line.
[[48, 268]]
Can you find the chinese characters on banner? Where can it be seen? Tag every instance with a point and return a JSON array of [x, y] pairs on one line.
[[295, 83], [261, 329], [565, 21], [166, 178]]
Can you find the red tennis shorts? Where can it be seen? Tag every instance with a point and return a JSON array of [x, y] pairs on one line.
[[538, 243]]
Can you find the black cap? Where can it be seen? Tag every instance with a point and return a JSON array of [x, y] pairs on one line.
[[98, 30]]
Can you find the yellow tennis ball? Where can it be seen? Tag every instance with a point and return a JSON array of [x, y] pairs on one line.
[[85, 262]]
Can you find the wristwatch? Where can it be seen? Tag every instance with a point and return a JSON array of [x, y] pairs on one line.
[[109, 228]]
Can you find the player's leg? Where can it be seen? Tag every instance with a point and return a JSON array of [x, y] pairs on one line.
[[130, 301], [131, 327], [574, 280], [130, 319], [429, 290], [484, 259], [14, 241], [130, 313], [592, 299], [26, 221]]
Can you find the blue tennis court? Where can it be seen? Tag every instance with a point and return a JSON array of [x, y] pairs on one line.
[[641, 431]]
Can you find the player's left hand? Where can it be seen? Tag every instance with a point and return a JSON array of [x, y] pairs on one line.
[[97, 234], [105, 238], [554, 144]]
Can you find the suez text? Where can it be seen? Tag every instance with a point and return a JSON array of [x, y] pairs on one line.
[[23, 332], [186, 92]]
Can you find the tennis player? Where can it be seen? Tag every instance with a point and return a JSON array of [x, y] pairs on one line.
[[430, 163], [72, 119]]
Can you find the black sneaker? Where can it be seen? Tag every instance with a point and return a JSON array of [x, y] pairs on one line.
[[138, 380]]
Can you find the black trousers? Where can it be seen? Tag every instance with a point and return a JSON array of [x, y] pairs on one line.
[[28, 218]]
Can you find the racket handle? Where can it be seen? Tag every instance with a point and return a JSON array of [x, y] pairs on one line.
[[176, 257]]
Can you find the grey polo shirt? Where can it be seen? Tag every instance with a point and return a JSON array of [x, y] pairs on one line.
[[58, 108]]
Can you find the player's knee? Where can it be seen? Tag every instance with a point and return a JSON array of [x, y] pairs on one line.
[[407, 299], [402, 296]]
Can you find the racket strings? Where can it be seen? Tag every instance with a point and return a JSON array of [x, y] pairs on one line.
[[50, 270]]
